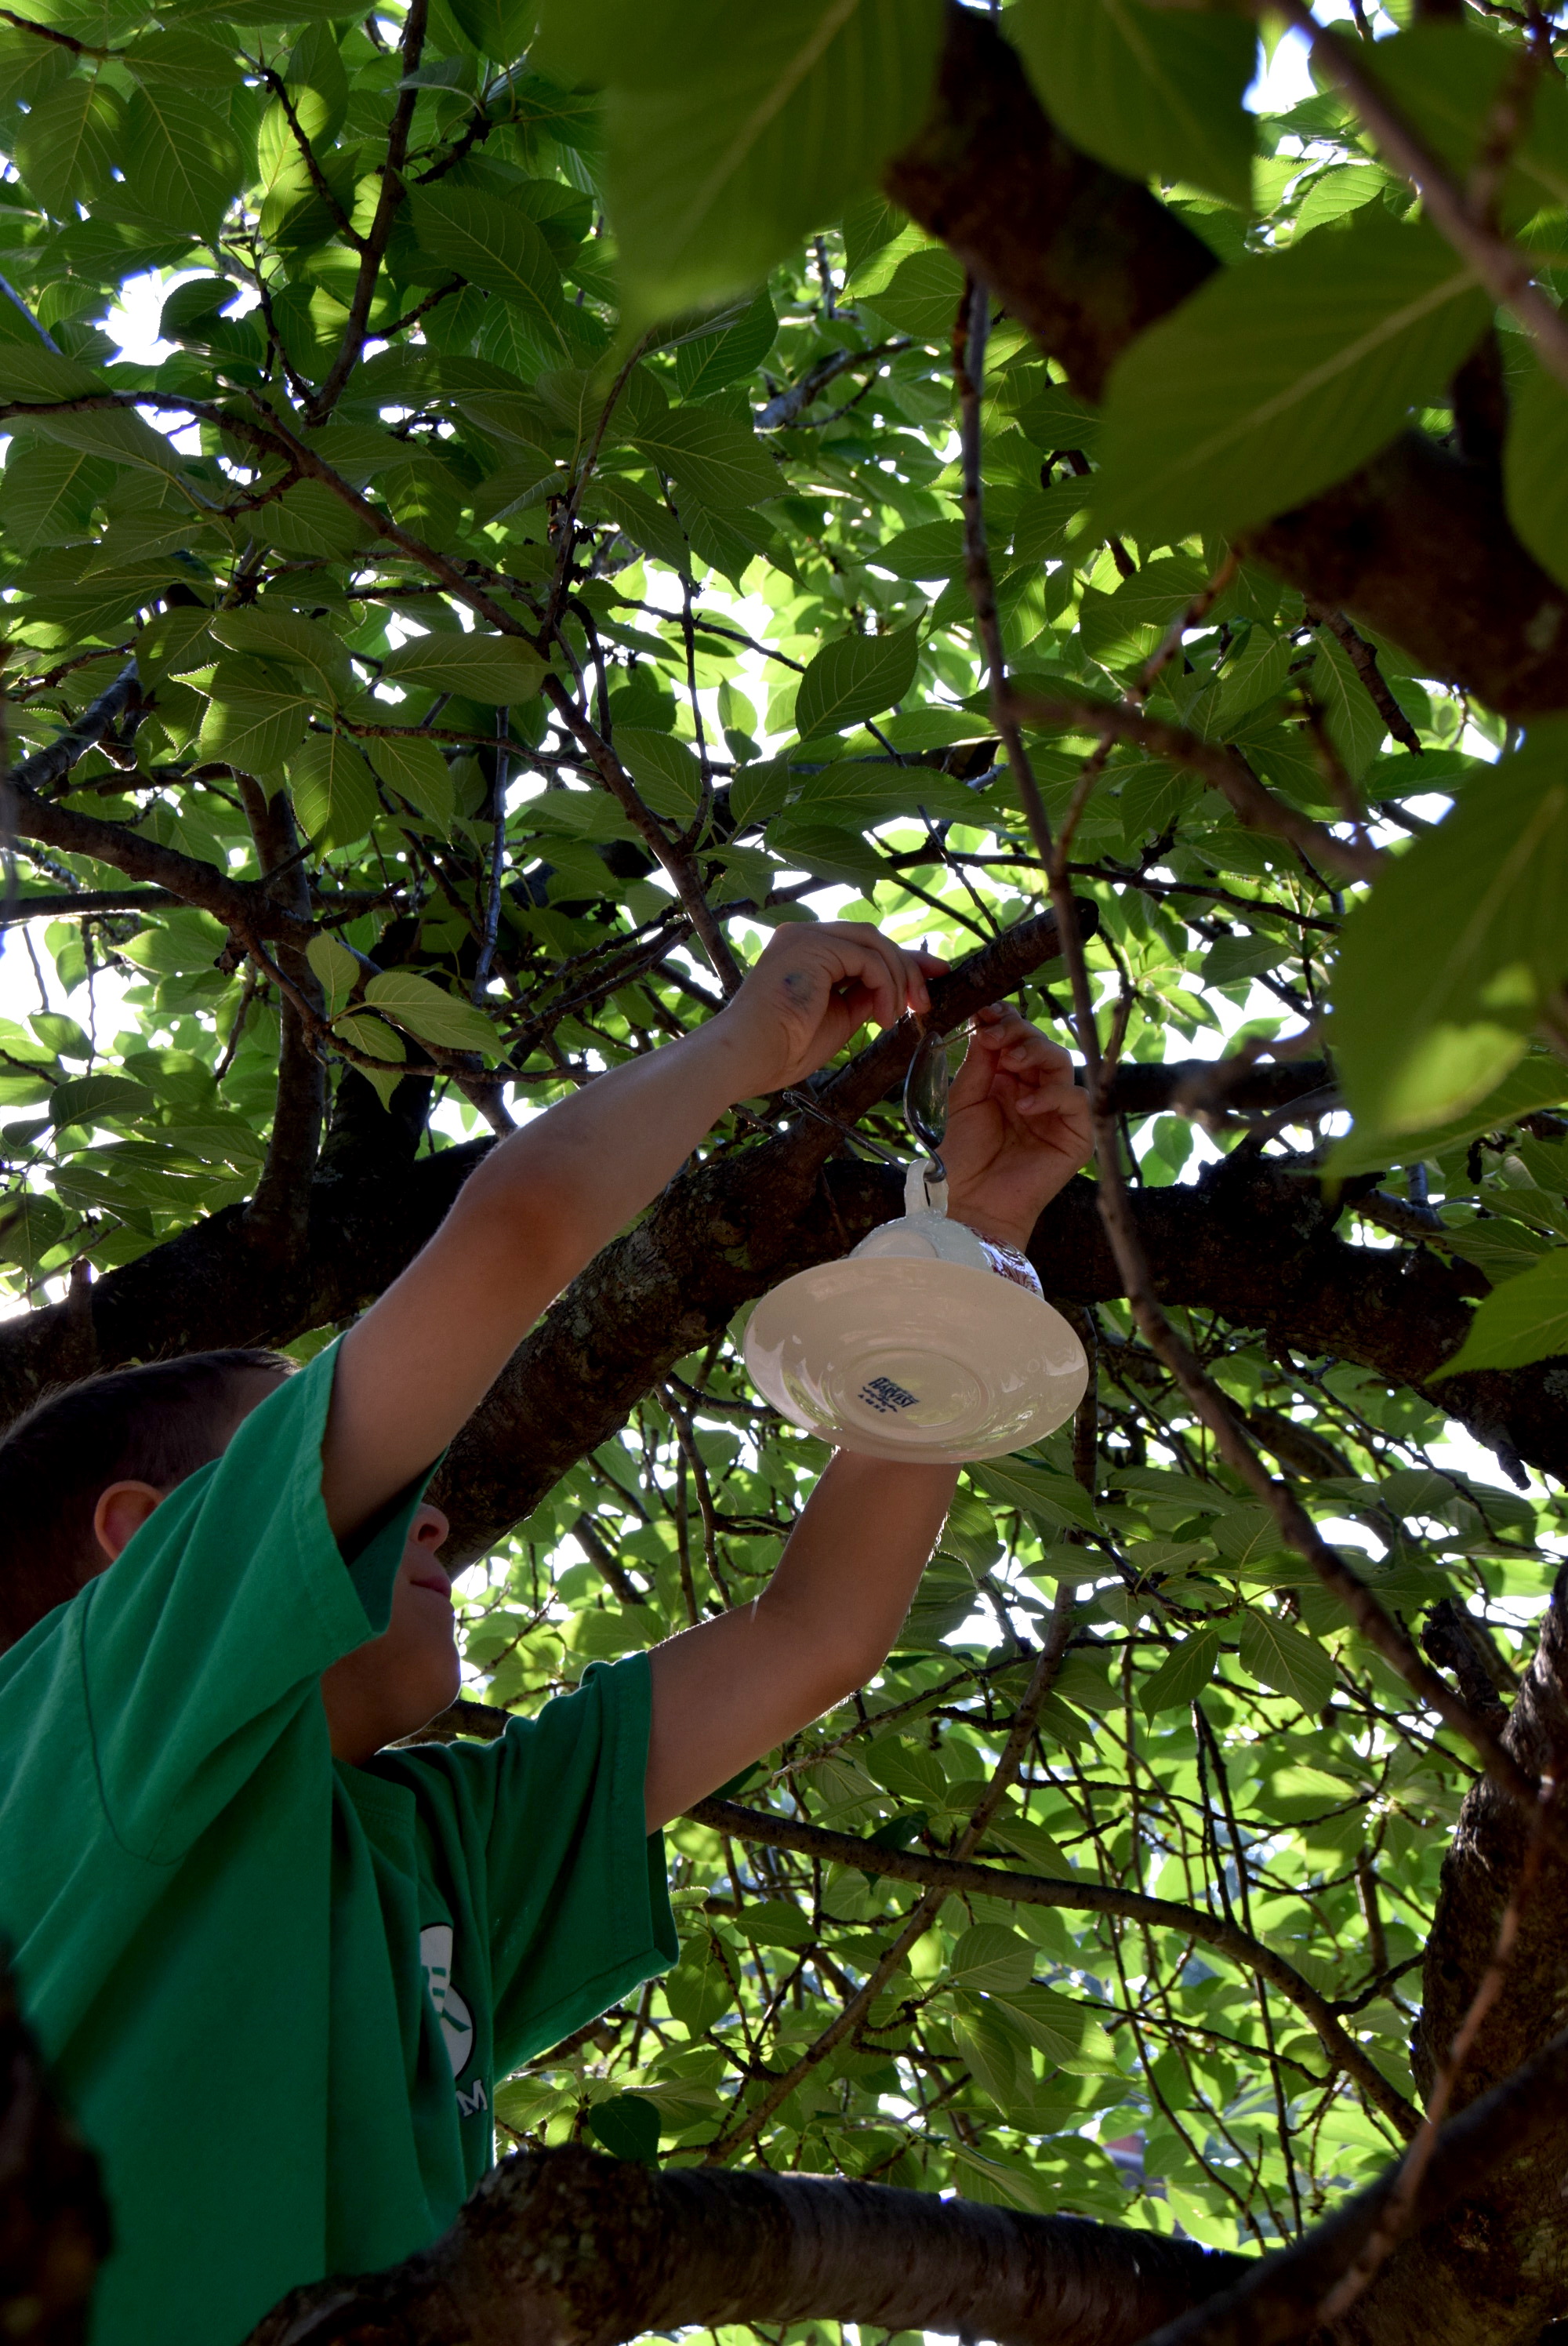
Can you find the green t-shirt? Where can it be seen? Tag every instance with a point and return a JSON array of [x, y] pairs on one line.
[[277, 1990]]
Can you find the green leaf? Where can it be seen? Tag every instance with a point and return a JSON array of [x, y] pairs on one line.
[[1534, 1083], [1446, 966], [1535, 469], [1126, 627], [90, 1099], [922, 296], [254, 720], [987, 1957], [709, 361], [664, 770], [628, 2126], [731, 136], [1182, 1675], [280, 635], [309, 519], [931, 549], [337, 970], [416, 770], [117, 434], [70, 142], [333, 793], [499, 29], [48, 495], [1354, 722], [1246, 1535], [1281, 1657], [496, 245], [1151, 91], [183, 163], [431, 1013], [1281, 375], [500, 670], [1054, 1500], [854, 677], [1446, 79], [1067, 2033], [1524, 1320], [710, 457]]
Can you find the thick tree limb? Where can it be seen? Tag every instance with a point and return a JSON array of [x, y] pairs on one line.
[[57, 756], [562, 2248], [1416, 544], [242, 906], [278, 1217], [1480, 1874]]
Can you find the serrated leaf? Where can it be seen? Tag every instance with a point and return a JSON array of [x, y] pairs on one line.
[[923, 296], [1445, 967], [309, 519], [279, 635], [709, 361], [1246, 1535], [664, 770], [498, 669], [70, 142], [1524, 1320], [499, 29], [1054, 1500], [855, 677], [416, 770], [89, 1100], [48, 495], [431, 1013], [710, 457], [183, 163], [254, 720], [1353, 720], [1535, 1083], [376, 1040], [1149, 90], [1067, 2033], [117, 434], [1182, 1675], [730, 136], [989, 1957], [496, 245], [333, 789], [1279, 376], [1285, 1660]]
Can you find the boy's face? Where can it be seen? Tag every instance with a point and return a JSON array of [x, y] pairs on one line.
[[384, 1690], [400, 1680]]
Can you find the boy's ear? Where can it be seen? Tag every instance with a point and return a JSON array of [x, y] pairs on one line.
[[122, 1509]]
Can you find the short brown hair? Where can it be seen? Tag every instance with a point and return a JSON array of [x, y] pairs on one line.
[[156, 1423]]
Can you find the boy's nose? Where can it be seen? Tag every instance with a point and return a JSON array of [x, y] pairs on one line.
[[430, 1529]]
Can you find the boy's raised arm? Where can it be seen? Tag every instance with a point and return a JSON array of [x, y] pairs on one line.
[[543, 1204]]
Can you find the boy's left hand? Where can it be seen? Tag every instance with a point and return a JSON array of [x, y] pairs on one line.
[[1018, 1127]]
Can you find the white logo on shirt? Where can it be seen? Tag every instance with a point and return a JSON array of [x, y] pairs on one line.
[[456, 2021]]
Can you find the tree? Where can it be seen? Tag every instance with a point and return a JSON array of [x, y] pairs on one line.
[[609, 484]]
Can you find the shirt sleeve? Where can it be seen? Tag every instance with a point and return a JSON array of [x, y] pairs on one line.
[[576, 1891], [203, 1642]]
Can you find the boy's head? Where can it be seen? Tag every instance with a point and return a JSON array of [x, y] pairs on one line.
[[89, 1464], [68, 1467]]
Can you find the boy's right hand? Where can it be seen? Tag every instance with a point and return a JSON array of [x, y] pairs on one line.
[[814, 985]]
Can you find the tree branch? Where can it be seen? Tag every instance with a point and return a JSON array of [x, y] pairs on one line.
[[1417, 543], [562, 2248], [278, 1217], [947, 1877]]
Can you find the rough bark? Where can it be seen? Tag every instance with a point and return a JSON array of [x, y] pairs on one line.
[[1416, 544], [563, 2247], [1480, 1874], [1255, 1243], [53, 2225]]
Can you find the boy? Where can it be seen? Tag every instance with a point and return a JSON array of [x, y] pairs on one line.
[[276, 1965]]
